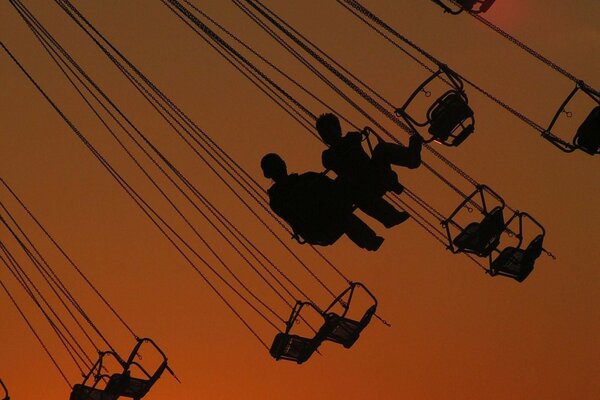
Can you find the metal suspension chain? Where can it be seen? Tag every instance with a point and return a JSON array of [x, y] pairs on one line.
[[137, 199]]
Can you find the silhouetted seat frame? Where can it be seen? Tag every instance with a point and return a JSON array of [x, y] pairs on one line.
[[518, 261], [292, 347], [5, 390], [121, 384], [346, 331], [125, 385], [450, 118], [472, 6], [479, 238], [587, 137], [88, 389]]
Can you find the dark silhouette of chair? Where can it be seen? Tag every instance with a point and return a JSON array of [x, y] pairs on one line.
[[89, 390], [450, 118], [447, 117], [291, 347], [125, 385], [587, 137], [346, 331], [83, 392], [472, 6], [479, 237], [518, 262], [121, 384], [588, 134]]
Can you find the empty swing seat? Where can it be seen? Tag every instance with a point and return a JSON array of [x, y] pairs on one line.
[[482, 237], [467, 4], [82, 392], [485, 5], [517, 263], [127, 386], [448, 115], [588, 134], [292, 347], [346, 331]]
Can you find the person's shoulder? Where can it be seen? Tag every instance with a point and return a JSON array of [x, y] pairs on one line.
[[311, 175]]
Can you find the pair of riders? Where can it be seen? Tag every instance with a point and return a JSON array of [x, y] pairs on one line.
[[319, 209]]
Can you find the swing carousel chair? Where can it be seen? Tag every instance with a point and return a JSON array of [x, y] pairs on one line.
[[4, 390], [121, 384], [587, 137], [472, 6], [346, 331], [292, 347], [479, 238], [450, 119], [517, 262], [89, 389]]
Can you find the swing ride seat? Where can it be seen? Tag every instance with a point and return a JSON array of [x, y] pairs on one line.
[[292, 347], [83, 392], [517, 263], [346, 331], [467, 4], [588, 134], [485, 5], [472, 6], [587, 137], [482, 237], [125, 385], [448, 115]]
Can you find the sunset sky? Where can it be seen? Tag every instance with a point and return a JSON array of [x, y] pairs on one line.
[[456, 333]]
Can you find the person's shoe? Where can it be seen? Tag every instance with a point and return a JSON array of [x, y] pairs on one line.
[[375, 244], [400, 218], [396, 187]]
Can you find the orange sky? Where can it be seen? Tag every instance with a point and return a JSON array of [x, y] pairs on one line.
[[456, 333]]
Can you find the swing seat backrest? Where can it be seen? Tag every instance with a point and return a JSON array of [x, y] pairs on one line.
[[467, 4], [485, 5], [511, 263], [347, 331], [82, 392], [126, 386], [481, 237], [588, 134], [292, 347], [517, 263], [447, 116]]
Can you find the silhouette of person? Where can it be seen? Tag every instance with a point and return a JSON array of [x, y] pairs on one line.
[[315, 206], [366, 179]]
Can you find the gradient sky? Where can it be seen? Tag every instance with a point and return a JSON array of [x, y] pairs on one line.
[[456, 333]]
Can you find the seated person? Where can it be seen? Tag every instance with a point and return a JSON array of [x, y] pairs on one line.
[[314, 206], [366, 179]]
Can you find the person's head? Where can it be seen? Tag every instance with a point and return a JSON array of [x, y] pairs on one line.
[[273, 166], [328, 126]]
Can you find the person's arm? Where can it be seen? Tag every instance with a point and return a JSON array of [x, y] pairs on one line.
[[415, 145], [328, 160]]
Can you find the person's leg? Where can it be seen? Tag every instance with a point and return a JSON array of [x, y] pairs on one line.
[[383, 211], [361, 234], [397, 154]]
